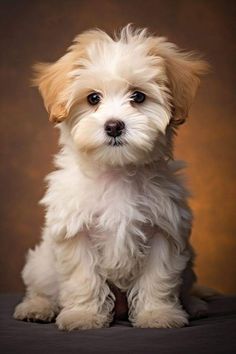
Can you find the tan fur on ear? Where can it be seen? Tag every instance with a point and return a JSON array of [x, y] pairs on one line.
[[183, 71], [52, 80]]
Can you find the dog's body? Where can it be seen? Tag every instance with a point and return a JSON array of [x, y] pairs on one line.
[[116, 205]]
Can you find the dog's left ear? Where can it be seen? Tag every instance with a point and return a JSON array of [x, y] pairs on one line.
[[184, 71]]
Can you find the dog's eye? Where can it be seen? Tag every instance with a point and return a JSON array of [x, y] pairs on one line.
[[94, 98], [138, 97]]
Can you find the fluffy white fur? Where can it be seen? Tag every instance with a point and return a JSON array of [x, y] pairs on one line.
[[115, 213]]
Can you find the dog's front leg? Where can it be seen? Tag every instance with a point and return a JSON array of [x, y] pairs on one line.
[[85, 298], [154, 298]]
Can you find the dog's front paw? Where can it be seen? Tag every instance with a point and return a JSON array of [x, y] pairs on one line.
[[162, 317], [69, 319], [37, 309]]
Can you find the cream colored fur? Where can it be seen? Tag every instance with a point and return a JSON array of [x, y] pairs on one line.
[[115, 214]]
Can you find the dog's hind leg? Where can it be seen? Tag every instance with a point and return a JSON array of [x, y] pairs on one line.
[[39, 276], [193, 299], [35, 308]]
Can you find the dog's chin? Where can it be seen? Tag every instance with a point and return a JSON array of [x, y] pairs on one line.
[[113, 152], [116, 152], [135, 148]]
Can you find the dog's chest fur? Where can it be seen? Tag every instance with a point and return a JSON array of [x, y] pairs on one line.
[[119, 210]]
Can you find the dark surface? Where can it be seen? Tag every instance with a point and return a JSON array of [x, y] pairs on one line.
[[215, 334]]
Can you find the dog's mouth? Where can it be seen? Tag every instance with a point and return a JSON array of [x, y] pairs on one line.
[[115, 142]]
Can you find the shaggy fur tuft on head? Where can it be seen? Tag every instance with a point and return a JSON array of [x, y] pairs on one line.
[[116, 208]]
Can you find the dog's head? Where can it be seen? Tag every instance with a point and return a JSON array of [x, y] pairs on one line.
[[118, 97]]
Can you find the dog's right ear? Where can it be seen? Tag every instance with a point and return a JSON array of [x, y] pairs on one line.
[[52, 81]]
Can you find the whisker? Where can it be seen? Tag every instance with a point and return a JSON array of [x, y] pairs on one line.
[[115, 142]]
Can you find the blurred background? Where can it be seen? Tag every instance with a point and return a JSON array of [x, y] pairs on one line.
[[41, 31]]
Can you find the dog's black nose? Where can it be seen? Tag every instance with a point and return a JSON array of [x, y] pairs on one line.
[[114, 127]]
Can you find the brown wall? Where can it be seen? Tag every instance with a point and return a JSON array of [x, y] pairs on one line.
[[40, 31]]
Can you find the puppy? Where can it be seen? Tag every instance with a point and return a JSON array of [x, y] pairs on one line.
[[116, 207]]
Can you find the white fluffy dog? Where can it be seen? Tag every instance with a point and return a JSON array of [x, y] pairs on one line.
[[116, 209]]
